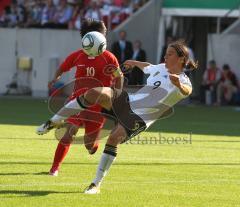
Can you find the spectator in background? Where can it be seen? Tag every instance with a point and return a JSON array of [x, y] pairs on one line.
[[56, 3], [123, 50], [12, 16], [169, 40], [126, 9], [86, 2], [38, 13], [140, 55], [135, 6], [48, 13], [211, 79], [63, 15], [76, 20], [94, 11], [120, 11], [22, 13], [34, 14], [118, 2], [106, 12], [20, 2], [4, 4], [3, 18], [115, 17], [227, 87]]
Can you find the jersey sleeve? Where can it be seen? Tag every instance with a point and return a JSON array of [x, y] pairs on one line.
[[149, 69], [113, 66], [153, 68], [186, 81], [69, 62]]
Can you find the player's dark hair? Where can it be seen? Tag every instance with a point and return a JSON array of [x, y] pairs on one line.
[[90, 25], [183, 51]]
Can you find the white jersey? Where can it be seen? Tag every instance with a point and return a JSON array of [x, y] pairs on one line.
[[159, 94]]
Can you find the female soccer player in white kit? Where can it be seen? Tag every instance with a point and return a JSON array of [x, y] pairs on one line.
[[166, 85]]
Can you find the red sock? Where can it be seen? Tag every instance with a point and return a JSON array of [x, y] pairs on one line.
[[60, 153]]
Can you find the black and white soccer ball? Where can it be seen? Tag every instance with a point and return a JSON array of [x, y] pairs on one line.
[[94, 43]]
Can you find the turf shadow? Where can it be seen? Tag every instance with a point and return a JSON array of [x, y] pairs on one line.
[[29, 193], [14, 174]]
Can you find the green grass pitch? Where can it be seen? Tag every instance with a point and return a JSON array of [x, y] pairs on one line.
[[201, 169]]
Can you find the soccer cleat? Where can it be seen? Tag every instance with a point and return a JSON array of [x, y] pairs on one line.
[[93, 150], [92, 189], [45, 128], [53, 173]]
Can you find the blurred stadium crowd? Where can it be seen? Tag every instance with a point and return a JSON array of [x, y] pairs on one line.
[[65, 14], [219, 85]]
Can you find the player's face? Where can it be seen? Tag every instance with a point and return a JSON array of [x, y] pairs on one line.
[[172, 60]]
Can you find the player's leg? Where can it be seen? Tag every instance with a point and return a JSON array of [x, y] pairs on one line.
[[100, 95], [91, 136], [63, 148], [93, 123], [91, 139], [129, 125], [109, 155]]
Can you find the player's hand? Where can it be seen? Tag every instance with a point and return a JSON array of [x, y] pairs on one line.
[[175, 80], [129, 64], [51, 83]]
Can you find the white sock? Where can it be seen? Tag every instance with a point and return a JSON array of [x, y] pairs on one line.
[[57, 119], [103, 167], [71, 108]]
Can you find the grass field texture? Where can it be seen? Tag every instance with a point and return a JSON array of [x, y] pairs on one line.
[[200, 168]]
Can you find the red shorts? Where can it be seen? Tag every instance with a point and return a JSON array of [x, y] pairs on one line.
[[91, 120]]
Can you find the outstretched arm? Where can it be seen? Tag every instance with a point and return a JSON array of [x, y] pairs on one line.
[[134, 63]]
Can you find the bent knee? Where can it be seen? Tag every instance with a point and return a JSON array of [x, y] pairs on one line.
[[95, 93], [99, 95]]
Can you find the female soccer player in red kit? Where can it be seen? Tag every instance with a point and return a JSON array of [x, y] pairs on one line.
[[90, 72]]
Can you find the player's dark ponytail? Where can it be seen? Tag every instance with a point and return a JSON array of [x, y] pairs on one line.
[[191, 65]]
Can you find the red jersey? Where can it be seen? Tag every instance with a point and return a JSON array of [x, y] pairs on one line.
[[90, 71]]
